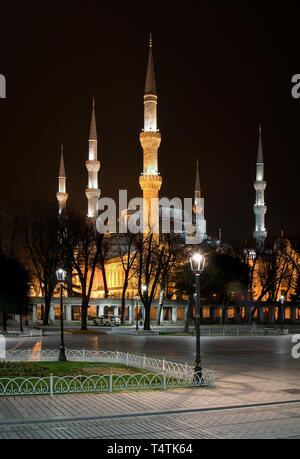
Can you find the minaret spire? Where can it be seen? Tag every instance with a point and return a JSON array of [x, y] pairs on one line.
[[150, 86], [62, 195], [93, 130], [260, 208], [197, 185], [93, 166], [260, 157], [199, 207], [62, 171], [150, 138]]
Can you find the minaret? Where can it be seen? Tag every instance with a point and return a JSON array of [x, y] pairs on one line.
[[260, 208], [93, 166], [62, 195], [150, 138], [199, 207]]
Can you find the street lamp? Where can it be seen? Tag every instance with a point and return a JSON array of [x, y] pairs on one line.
[[282, 299], [144, 290], [197, 265], [61, 277], [137, 313]]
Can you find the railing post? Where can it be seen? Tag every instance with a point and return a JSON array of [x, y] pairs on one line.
[[110, 388], [83, 355], [117, 357], [186, 368], [164, 365], [144, 361], [164, 381], [127, 360], [51, 385]]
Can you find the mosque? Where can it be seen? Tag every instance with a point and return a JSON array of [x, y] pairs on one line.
[[150, 182]]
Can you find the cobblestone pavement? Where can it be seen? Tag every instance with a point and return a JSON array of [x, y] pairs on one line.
[[234, 409], [277, 421], [250, 373]]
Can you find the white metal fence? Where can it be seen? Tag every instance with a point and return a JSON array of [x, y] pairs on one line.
[[34, 332], [164, 374], [223, 331]]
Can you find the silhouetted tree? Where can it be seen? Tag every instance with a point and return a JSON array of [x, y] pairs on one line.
[[14, 288], [84, 243], [40, 240], [151, 260], [127, 252]]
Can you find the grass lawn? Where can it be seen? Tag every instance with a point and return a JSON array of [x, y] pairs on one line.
[[41, 369], [89, 377]]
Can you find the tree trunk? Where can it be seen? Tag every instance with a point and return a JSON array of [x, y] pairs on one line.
[[102, 265], [26, 319], [147, 324], [123, 303], [222, 314], [69, 269], [47, 310], [4, 321], [106, 291], [84, 313], [159, 311], [189, 314]]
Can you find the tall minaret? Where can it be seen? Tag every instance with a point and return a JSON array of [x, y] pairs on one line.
[[260, 208], [150, 138], [93, 167], [199, 207], [62, 195]]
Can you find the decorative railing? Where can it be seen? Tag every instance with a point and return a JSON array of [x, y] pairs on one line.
[[164, 374], [34, 332], [54, 385], [222, 331]]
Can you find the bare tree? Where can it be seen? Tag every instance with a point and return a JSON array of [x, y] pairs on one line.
[[103, 255], [10, 226], [167, 278], [40, 240], [84, 244], [151, 260], [128, 251], [271, 271]]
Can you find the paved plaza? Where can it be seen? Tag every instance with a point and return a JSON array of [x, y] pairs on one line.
[[186, 413], [257, 394]]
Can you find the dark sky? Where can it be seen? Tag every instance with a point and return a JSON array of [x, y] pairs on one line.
[[221, 69]]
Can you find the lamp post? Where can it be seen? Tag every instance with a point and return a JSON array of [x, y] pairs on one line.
[[61, 277], [197, 264], [137, 312], [282, 299], [144, 290]]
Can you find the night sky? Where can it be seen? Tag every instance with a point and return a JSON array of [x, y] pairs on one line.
[[221, 69]]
